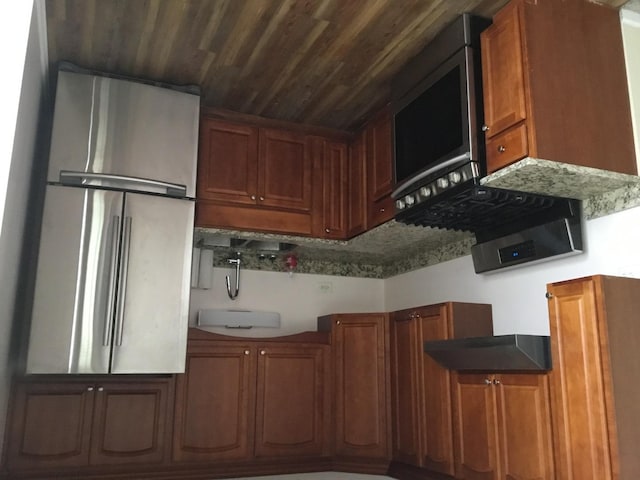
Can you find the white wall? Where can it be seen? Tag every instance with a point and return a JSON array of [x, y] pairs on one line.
[[21, 53], [299, 298], [517, 296]]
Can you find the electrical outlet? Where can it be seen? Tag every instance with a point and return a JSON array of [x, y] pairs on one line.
[[325, 287]]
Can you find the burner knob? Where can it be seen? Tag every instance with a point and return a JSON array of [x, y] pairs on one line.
[[400, 204], [442, 182], [410, 200], [455, 177], [425, 192]]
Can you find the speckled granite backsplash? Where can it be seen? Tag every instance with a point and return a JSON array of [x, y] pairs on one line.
[[394, 248]]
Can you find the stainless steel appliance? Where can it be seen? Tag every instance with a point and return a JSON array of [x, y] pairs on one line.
[[438, 112], [112, 285], [500, 353]]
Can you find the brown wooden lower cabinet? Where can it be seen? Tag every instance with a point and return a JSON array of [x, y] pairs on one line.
[[362, 426], [59, 424], [502, 426], [594, 381], [421, 389], [251, 400]]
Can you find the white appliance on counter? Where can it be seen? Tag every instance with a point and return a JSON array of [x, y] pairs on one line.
[[113, 276]]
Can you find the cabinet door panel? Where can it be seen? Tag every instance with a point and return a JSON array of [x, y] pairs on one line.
[[503, 72], [404, 339], [335, 190], [357, 190], [582, 448], [214, 406], [476, 428], [437, 437], [524, 423], [130, 423], [50, 426], [291, 406], [284, 170], [361, 386], [379, 157], [227, 166]]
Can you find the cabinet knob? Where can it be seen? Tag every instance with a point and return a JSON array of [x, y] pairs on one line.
[[89, 389], [502, 149], [263, 352], [101, 389], [382, 210], [487, 381], [262, 199], [337, 322], [327, 230], [246, 352], [253, 197], [549, 295], [496, 381], [485, 128]]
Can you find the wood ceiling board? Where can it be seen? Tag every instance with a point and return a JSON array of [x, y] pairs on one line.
[[320, 62]]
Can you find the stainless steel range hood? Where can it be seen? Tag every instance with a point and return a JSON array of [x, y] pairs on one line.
[[497, 353]]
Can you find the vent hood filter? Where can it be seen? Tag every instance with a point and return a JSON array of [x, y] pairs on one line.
[[498, 353]]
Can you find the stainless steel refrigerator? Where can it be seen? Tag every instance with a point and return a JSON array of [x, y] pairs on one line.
[[112, 285]]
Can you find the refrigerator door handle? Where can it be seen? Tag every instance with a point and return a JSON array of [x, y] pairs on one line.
[[124, 270], [85, 179], [113, 266]]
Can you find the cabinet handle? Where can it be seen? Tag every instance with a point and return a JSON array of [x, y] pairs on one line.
[[246, 352], [89, 389], [382, 210], [549, 295], [485, 128], [327, 230], [101, 389], [262, 199], [337, 322], [496, 381], [253, 197], [502, 149], [263, 352], [487, 381]]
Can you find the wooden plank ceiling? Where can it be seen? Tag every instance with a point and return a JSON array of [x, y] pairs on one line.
[[319, 62]]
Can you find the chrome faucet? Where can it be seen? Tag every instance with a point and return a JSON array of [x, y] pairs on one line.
[[236, 262]]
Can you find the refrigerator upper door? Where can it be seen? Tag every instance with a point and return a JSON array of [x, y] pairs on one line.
[[126, 129], [150, 332], [74, 300]]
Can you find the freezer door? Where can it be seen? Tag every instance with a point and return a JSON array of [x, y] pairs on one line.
[[150, 334], [125, 129], [74, 296]]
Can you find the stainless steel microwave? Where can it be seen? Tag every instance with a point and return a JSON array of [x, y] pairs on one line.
[[437, 123]]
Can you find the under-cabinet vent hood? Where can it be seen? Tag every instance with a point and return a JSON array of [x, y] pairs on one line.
[[497, 353]]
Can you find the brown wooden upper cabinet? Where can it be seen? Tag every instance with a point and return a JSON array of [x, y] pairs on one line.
[[335, 191], [56, 425], [594, 381], [379, 154], [553, 92], [421, 388], [254, 178], [503, 427], [357, 186]]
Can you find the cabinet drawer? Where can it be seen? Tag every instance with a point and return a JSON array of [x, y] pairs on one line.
[[506, 148]]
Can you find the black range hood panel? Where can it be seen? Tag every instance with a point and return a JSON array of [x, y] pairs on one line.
[[497, 353], [488, 212]]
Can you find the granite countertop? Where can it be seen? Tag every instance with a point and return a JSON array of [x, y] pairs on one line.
[[394, 248]]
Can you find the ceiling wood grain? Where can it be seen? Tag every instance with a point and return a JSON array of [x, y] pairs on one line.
[[321, 62]]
